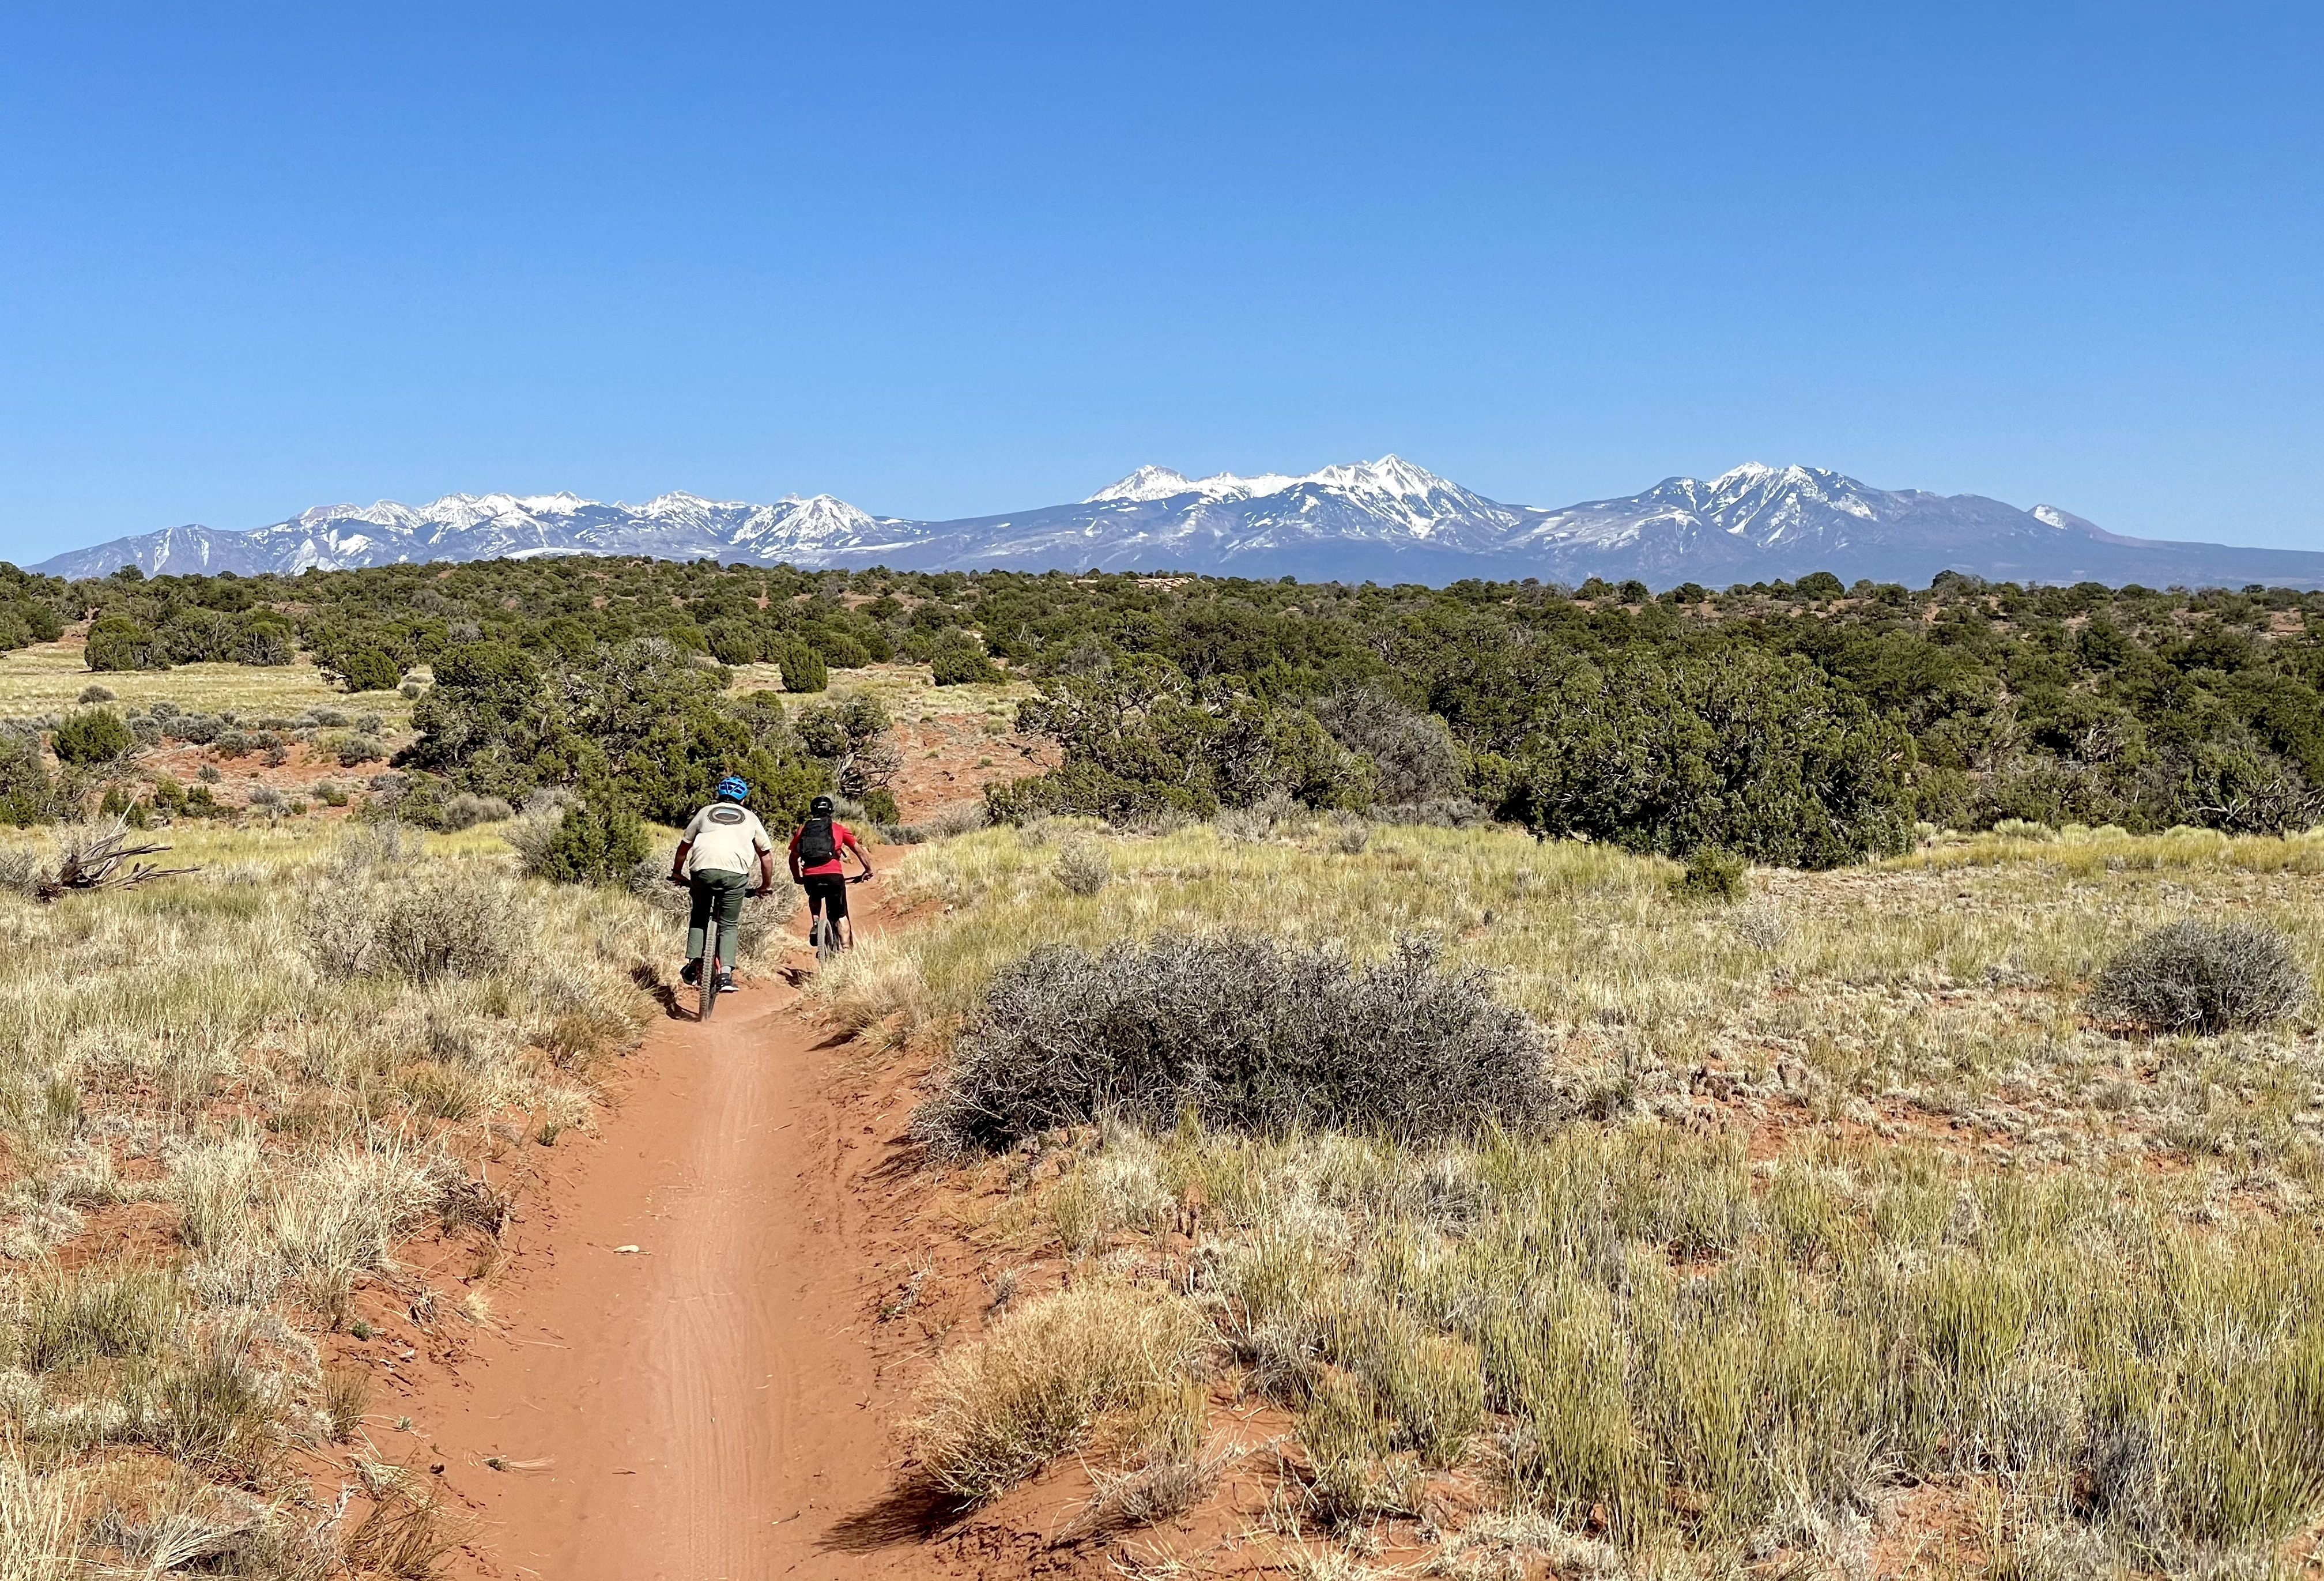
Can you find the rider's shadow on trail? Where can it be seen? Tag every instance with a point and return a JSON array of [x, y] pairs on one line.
[[913, 1512], [651, 980]]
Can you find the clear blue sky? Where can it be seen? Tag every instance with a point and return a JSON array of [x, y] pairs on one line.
[[943, 260]]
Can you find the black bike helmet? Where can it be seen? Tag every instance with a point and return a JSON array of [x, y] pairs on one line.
[[820, 807]]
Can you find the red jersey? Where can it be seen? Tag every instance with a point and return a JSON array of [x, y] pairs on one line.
[[842, 839]]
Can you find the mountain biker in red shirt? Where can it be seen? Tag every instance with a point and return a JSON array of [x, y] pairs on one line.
[[818, 847]]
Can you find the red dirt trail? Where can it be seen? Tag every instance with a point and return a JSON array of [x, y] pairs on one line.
[[706, 1408]]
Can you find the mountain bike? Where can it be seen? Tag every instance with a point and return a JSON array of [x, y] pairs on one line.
[[709, 986], [824, 933]]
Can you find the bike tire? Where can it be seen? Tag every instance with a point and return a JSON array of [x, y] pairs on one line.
[[709, 983]]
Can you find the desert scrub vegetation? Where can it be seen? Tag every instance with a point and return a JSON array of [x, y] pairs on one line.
[[1944, 992], [2200, 975], [1237, 1030], [1836, 1195], [226, 1099]]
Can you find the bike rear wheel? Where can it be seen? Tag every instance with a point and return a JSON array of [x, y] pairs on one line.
[[709, 983], [827, 942]]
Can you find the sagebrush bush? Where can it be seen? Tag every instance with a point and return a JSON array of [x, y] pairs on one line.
[[434, 924], [466, 810], [1082, 866], [1246, 1031], [962, 818], [1447, 812], [2201, 977], [1413, 753]]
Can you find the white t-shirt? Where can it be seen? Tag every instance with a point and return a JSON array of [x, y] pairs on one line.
[[726, 838]]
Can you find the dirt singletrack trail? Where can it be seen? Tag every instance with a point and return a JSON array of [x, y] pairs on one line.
[[706, 1407]]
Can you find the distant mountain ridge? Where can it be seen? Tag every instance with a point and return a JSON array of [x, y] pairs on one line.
[[1388, 521]]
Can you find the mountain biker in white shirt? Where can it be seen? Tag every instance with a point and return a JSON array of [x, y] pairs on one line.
[[724, 841]]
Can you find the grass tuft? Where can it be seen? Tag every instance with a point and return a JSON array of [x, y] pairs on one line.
[[1036, 1387]]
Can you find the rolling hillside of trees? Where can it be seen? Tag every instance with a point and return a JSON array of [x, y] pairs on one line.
[[1804, 722]]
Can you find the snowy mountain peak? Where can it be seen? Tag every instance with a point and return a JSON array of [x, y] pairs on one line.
[[563, 503], [1392, 476], [1749, 473], [818, 519], [1147, 483], [1389, 477]]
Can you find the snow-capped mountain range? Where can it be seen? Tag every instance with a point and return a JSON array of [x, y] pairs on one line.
[[1386, 521]]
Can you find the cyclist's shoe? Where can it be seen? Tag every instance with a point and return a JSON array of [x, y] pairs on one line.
[[725, 982], [814, 933], [691, 975]]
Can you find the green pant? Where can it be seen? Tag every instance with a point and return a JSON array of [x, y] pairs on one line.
[[711, 887]]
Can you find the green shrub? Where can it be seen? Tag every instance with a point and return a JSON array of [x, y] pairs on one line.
[[804, 670], [368, 670], [2201, 977], [734, 642], [880, 806], [28, 791], [1246, 1030], [115, 641], [1752, 751], [1712, 874], [964, 666], [93, 735], [849, 737], [421, 803], [1140, 742], [595, 840]]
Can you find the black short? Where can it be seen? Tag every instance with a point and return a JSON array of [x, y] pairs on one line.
[[826, 892]]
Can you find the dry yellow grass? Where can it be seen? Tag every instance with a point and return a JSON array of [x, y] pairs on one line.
[[48, 677], [1848, 1195], [909, 691], [205, 1059]]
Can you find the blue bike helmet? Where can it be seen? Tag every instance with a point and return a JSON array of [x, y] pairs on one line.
[[734, 788]]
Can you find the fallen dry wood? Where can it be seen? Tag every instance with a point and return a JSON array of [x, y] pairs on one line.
[[98, 865]]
